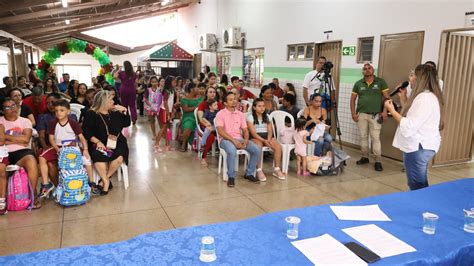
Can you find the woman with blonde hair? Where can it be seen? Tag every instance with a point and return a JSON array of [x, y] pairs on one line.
[[419, 124], [102, 127]]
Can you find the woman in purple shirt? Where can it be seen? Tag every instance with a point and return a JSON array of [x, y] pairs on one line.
[[128, 89]]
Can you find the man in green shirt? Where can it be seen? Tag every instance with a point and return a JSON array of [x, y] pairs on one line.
[[370, 92]]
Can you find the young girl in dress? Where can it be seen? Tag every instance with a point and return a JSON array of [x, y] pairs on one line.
[[165, 114], [300, 146], [152, 100]]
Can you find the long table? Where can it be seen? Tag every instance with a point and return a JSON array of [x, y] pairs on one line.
[[262, 240]]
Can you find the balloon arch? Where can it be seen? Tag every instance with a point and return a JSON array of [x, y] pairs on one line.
[[76, 46]]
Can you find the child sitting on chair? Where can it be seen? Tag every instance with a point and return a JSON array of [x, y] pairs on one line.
[[63, 131], [209, 115]]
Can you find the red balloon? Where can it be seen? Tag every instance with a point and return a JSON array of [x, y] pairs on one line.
[[108, 67], [42, 64], [62, 47], [90, 48]]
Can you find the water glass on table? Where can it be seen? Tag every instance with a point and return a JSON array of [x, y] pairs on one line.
[[292, 230], [208, 249], [429, 223], [469, 220]]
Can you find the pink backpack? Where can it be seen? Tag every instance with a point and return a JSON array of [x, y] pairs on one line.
[[20, 194]]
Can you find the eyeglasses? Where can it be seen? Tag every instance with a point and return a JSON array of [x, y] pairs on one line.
[[8, 108]]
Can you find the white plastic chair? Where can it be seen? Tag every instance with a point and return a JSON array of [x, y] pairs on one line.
[[310, 147], [200, 132], [121, 172], [76, 110], [278, 122], [223, 158]]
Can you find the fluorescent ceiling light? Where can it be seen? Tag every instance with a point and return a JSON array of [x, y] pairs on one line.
[[165, 2], [64, 3], [67, 22]]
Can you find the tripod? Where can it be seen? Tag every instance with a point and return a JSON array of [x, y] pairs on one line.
[[327, 86]]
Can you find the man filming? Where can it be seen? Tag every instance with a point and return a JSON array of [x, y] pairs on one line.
[[369, 92], [314, 82]]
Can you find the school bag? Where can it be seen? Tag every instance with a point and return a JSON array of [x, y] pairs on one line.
[[73, 187], [20, 193]]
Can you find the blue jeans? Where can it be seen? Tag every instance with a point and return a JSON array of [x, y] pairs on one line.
[[320, 144], [205, 135], [231, 151], [416, 167]]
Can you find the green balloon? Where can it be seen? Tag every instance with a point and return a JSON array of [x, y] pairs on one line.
[[109, 78], [81, 45], [40, 74]]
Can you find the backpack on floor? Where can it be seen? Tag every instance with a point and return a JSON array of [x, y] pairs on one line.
[[73, 188], [20, 193]]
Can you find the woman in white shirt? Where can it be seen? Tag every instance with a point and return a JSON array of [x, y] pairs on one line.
[[419, 124]]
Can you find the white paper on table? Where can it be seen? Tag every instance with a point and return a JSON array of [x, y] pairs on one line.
[[326, 250], [318, 131], [378, 240], [360, 213]]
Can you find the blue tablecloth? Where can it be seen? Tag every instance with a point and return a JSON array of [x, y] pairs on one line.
[[262, 240]]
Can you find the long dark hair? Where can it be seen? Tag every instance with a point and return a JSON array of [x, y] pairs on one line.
[[78, 93], [70, 88], [263, 89], [168, 84], [224, 79], [217, 94], [254, 114], [129, 73], [190, 86], [53, 86], [153, 77]]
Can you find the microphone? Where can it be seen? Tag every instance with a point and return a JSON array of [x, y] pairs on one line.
[[397, 90]]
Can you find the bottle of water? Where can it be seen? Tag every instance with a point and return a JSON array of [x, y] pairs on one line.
[[208, 249]]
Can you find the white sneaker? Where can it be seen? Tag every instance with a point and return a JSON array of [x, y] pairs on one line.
[[260, 175], [279, 174]]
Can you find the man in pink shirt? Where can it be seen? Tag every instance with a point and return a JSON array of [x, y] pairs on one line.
[[232, 128]]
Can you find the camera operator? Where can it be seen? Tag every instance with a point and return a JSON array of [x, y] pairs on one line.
[[419, 124], [369, 92], [314, 83]]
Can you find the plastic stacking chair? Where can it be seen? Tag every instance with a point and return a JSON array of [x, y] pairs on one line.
[[278, 122]]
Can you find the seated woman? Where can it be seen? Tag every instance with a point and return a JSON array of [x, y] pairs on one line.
[[266, 93], [261, 133], [102, 127], [314, 115], [18, 132], [3, 172], [188, 122], [81, 97], [17, 96]]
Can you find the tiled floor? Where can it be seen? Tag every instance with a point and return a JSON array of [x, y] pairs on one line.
[[172, 190]]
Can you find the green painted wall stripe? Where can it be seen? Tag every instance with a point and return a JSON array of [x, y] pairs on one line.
[[348, 75]]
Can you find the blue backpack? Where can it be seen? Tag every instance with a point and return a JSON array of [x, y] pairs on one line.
[[73, 187]]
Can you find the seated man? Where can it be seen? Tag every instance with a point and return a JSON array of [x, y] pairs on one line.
[[18, 132], [232, 128], [289, 105], [36, 102]]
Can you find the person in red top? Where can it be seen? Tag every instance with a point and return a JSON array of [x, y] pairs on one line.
[[211, 93], [278, 91], [36, 102], [244, 94]]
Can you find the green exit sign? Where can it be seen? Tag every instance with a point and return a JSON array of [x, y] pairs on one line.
[[349, 50]]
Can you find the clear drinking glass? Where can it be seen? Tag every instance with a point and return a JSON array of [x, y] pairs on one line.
[[292, 230], [208, 249], [469, 220], [429, 223]]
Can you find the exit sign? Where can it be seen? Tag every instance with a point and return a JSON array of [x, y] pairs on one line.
[[349, 50]]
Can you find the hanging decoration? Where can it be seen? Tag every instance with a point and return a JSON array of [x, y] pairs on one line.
[[76, 46]]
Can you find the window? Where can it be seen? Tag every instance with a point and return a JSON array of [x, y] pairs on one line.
[[300, 52], [81, 73], [223, 63], [365, 49], [253, 67]]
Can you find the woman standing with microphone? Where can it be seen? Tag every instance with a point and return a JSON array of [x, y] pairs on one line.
[[419, 124]]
